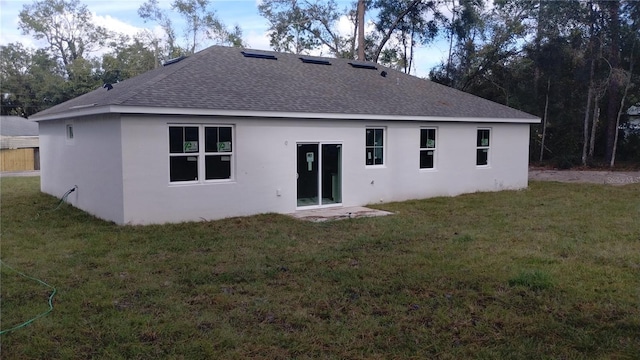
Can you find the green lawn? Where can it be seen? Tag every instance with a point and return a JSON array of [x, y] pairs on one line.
[[548, 272]]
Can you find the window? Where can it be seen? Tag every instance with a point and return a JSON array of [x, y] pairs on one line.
[[427, 148], [68, 129], [190, 161], [374, 146], [218, 151], [482, 147]]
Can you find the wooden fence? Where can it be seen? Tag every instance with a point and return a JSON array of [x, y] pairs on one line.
[[19, 159]]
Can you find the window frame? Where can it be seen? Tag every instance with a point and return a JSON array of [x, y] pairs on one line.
[[69, 133], [485, 148], [373, 147], [202, 153], [426, 148]]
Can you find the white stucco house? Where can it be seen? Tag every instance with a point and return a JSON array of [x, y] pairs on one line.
[[233, 132]]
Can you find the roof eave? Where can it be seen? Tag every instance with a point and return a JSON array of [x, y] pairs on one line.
[[119, 109]]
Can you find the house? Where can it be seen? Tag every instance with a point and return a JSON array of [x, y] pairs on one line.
[[19, 145], [633, 126], [233, 132]]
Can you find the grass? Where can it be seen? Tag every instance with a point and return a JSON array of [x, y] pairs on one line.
[[548, 272]]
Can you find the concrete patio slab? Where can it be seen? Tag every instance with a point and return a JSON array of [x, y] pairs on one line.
[[338, 213]]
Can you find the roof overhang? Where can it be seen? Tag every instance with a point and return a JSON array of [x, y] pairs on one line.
[[138, 110]]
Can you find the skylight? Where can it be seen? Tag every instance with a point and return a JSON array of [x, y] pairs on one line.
[[253, 54], [308, 60], [359, 65]]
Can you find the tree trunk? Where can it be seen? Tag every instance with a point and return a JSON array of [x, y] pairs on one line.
[[361, 30], [585, 126], [624, 97], [392, 27], [615, 139], [614, 85], [544, 120], [594, 127], [453, 20]]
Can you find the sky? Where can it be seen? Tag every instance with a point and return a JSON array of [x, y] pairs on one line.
[[122, 16]]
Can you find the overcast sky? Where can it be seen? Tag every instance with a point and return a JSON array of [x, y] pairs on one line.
[[122, 16]]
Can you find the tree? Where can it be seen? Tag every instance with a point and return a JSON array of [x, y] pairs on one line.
[[30, 81], [409, 21], [130, 57], [202, 24], [67, 27], [615, 84], [300, 26]]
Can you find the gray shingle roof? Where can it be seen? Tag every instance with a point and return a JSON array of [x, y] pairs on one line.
[[17, 126], [221, 78]]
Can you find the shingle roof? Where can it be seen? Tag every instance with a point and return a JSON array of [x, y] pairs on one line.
[[221, 78], [17, 126]]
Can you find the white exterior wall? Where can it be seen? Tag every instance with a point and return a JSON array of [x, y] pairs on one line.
[[92, 161], [264, 160]]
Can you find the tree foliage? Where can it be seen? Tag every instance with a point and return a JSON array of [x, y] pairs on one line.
[[30, 80], [571, 58], [306, 26], [574, 63], [66, 26], [202, 24], [81, 56]]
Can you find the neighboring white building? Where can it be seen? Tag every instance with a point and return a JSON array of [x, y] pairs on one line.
[[231, 132], [633, 126]]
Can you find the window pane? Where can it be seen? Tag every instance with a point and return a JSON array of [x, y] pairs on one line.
[[482, 157], [377, 156], [191, 133], [427, 138], [183, 168], [369, 156], [378, 141], [431, 138], [217, 167], [210, 139], [483, 137], [370, 137], [190, 139], [426, 159], [175, 139], [225, 134]]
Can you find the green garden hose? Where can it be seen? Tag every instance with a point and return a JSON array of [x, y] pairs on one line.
[[40, 315]]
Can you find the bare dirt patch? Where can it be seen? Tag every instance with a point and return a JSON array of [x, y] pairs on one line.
[[586, 176]]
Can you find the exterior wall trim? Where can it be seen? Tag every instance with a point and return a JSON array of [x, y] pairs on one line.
[[119, 109]]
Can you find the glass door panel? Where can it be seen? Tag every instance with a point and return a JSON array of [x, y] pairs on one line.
[[308, 159], [331, 174]]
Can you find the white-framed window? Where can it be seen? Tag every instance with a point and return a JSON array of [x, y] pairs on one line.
[[200, 153], [68, 130], [428, 148], [483, 146], [374, 146]]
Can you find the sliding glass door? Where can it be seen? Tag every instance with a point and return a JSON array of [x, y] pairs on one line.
[[319, 172]]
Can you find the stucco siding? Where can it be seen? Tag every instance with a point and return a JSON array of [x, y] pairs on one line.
[[264, 163], [91, 160]]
